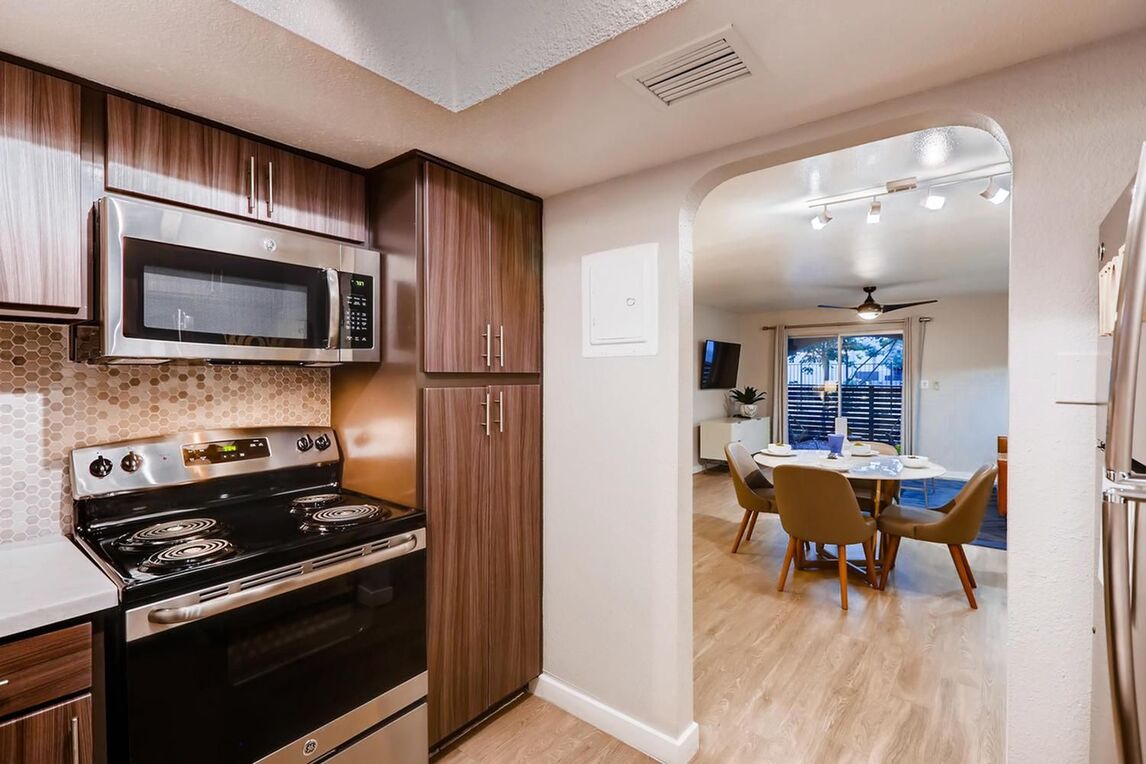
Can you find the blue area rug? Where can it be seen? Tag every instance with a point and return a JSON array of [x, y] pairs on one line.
[[940, 491]]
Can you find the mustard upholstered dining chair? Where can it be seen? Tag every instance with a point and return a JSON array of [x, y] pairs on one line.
[[865, 489], [818, 505], [954, 524], [753, 491]]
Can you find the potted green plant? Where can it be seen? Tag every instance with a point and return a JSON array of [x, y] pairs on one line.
[[747, 398]]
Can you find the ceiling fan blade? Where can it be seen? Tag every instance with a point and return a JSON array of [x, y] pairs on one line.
[[838, 307], [901, 305]]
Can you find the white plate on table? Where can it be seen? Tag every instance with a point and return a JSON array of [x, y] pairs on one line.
[[838, 465], [770, 452], [915, 462]]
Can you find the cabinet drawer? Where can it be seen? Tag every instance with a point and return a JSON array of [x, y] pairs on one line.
[[40, 669], [54, 735]]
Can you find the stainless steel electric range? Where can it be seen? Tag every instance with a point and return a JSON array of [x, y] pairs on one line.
[[266, 615]]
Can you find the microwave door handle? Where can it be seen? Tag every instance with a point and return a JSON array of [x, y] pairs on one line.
[[1127, 337], [334, 293]]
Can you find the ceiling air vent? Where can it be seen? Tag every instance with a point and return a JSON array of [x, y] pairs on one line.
[[713, 60]]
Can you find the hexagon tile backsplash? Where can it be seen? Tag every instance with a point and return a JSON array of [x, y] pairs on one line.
[[48, 405]]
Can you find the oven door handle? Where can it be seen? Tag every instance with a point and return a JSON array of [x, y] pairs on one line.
[[169, 616], [334, 292]]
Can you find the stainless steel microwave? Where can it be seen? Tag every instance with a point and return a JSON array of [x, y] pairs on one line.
[[177, 285]]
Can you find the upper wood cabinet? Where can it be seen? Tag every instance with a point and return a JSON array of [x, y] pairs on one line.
[[158, 154], [42, 213], [482, 298]]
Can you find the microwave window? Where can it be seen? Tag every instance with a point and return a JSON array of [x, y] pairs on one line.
[[180, 294], [217, 303]]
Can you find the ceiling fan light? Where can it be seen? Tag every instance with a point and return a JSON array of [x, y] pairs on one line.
[[869, 313], [994, 193], [934, 201], [874, 211], [821, 220]]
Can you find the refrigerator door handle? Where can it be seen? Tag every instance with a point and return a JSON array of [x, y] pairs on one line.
[[1127, 337], [1118, 593]]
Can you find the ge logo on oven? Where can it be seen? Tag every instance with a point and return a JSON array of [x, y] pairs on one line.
[[309, 747]]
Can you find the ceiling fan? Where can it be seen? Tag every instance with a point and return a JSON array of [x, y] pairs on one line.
[[870, 309]]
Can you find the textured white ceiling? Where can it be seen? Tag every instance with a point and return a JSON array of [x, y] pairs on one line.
[[457, 53], [574, 124], [755, 249]]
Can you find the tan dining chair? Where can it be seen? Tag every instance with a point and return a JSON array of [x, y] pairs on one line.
[[865, 489], [753, 491], [818, 505], [954, 524]]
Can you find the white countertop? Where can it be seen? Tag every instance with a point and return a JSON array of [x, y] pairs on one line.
[[45, 581]]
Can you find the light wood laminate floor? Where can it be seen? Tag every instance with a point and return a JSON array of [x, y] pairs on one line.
[[906, 675]]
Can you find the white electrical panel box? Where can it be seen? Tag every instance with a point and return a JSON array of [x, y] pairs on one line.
[[619, 302]]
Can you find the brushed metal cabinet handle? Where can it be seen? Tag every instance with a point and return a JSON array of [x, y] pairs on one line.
[[270, 188], [487, 336], [485, 405], [501, 346], [251, 188], [75, 740], [3, 682], [501, 411]]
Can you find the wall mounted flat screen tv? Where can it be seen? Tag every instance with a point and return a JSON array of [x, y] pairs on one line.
[[718, 365]]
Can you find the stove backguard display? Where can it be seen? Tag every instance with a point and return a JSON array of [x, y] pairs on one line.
[[224, 451]]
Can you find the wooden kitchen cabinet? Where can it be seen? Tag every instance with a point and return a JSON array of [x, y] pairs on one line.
[[42, 248], [482, 265], [166, 156], [483, 503], [60, 734]]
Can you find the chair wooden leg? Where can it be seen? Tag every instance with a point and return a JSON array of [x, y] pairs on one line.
[[792, 545], [869, 552], [891, 549], [958, 560], [752, 526], [967, 566], [843, 551], [741, 529]]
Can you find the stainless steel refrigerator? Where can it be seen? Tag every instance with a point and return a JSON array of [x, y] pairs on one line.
[[1119, 709]]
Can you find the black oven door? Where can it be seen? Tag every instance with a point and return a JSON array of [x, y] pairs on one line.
[[241, 685]]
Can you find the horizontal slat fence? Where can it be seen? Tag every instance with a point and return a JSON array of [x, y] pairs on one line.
[[874, 412]]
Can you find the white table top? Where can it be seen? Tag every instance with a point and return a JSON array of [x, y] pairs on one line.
[[860, 467], [46, 581]]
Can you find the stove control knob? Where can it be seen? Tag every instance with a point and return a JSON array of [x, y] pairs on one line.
[[131, 462], [100, 467], [304, 443], [322, 442]]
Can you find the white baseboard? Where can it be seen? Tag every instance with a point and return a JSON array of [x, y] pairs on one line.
[[697, 468], [651, 742]]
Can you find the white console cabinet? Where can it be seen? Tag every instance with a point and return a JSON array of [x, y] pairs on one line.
[[715, 433]]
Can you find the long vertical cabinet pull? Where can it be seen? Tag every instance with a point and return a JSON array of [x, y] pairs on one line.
[[75, 740], [501, 346], [270, 188], [251, 188], [501, 411], [487, 338], [485, 414]]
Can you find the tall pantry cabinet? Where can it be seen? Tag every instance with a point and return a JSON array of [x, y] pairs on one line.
[[462, 257]]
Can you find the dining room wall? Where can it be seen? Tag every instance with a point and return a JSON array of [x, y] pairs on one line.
[[709, 323], [617, 474], [964, 361]]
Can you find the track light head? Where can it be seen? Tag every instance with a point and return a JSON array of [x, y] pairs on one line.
[[821, 220], [874, 211], [994, 193]]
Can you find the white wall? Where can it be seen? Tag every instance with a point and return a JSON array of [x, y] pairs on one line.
[[965, 351], [709, 323], [618, 582]]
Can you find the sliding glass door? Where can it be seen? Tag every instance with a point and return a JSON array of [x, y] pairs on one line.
[[857, 375]]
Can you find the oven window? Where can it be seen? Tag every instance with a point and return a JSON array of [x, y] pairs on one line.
[[244, 683], [187, 295]]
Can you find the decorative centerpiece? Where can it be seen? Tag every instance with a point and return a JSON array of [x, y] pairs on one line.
[[747, 398]]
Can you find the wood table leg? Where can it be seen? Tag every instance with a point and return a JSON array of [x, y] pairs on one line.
[[843, 550], [793, 544], [878, 497]]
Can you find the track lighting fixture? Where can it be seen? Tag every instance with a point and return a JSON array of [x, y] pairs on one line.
[[874, 211], [934, 201], [821, 220], [994, 193]]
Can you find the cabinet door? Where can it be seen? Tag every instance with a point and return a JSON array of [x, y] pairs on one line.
[[456, 492], [515, 275], [514, 530], [59, 734], [456, 291], [304, 193], [42, 214], [165, 156]]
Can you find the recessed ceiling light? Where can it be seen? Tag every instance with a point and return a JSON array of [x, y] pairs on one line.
[[934, 201], [994, 193], [821, 220], [874, 211]]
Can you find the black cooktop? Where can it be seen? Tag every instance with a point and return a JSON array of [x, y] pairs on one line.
[[165, 553]]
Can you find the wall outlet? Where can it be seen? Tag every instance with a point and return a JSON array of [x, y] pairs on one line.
[[935, 384], [925, 384]]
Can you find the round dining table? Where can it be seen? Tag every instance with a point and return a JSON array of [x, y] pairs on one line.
[[874, 467]]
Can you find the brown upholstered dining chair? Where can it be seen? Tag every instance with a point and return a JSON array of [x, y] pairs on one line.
[[818, 505], [954, 524], [865, 489], [753, 491]]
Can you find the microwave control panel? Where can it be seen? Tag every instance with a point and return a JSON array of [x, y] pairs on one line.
[[358, 311]]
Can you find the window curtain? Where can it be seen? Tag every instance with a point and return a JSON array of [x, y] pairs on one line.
[[911, 358], [779, 382]]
